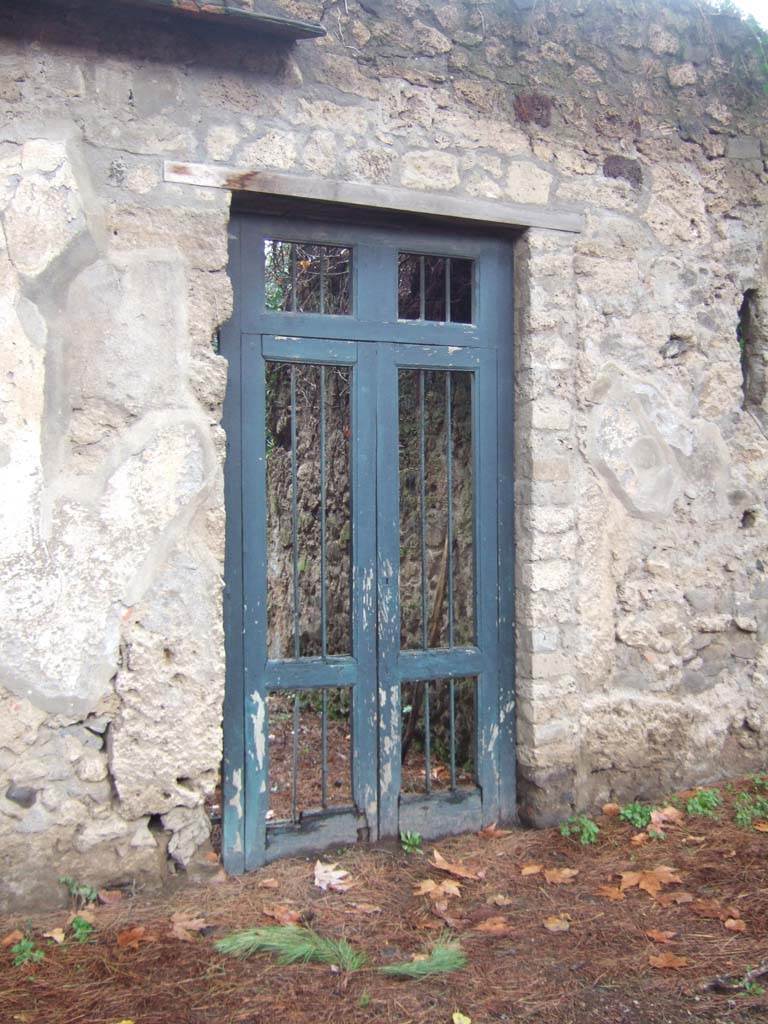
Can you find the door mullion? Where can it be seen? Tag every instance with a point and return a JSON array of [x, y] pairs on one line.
[[364, 597], [388, 565]]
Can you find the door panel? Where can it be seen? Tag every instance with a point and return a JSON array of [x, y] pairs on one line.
[[364, 479]]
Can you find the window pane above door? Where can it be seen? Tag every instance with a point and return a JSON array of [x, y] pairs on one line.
[[307, 277], [437, 289]]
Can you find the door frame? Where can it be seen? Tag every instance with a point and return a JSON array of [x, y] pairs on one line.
[[243, 797]]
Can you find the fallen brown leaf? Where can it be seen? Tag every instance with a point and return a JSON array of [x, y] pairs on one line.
[[501, 901], [330, 877], [665, 816], [57, 934], [12, 938], [440, 909], [611, 892], [184, 926], [493, 832], [109, 897], [666, 899], [694, 840], [668, 961], [640, 839], [531, 869], [611, 810], [733, 924], [437, 890], [650, 881], [85, 915], [131, 937], [558, 923], [457, 870], [280, 913], [560, 876], [494, 926], [269, 883], [366, 908], [659, 936], [212, 857], [761, 826]]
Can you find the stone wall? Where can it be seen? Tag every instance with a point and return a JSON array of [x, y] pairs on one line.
[[642, 459]]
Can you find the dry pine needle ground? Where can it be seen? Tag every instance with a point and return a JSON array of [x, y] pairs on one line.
[[595, 965]]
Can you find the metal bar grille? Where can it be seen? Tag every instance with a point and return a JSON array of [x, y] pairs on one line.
[[423, 510], [323, 569]]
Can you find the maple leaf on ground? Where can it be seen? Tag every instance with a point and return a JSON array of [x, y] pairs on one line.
[[57, 934], [494, 926], [131, 937], [12, 938], [460, 1018], [668, 961], [734, 924], [611, 892], [280, 913], [640, 839], [184, 926], [650, 881], [110, 896], [269, 883], [659, 936], [665, 816], [501, 901], [494, 832], [558, 923], [666, 899], [437, 890], [611, 810], [440, 909], [714, 909], [531, 869], [761, 826], [331, 877], [84, 915], [560, 876], [457, 870]]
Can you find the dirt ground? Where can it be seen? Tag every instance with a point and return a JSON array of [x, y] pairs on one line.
[[715, 902]]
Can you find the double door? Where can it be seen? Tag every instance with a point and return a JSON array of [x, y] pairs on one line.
[[368, 606]]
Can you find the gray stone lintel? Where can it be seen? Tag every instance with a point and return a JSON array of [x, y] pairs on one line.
[[379, 197]]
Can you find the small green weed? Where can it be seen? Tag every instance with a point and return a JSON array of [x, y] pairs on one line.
[[580, 827], [292, 944], [444, 957], [751, 988], [703, 803], [411, 842], [26, 952], [658, 836], [81, 929], [636, 814], [760, 780], [364, 1000], [749, 807], [80, 893]]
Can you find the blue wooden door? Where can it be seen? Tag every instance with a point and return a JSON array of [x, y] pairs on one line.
[[369, 565]]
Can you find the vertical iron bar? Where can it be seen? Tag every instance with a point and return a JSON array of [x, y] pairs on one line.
[[324, 775], [427, 741], [448, 289], [452, 698], [422, 296], [295, 559], [423, 511], [294, 303], [323, 563], [449, 485], [323, 268], [295, 760], [295, 518]]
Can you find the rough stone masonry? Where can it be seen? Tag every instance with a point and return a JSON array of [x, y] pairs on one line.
[[642, 385]]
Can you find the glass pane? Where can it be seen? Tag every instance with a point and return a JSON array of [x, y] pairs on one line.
[[278, 287], [434, 288], [309, 555], [409, 286], [307, 278], [461, 291], [436, 574], [443, 756], [338, 280], [308, 265], [310, 747]]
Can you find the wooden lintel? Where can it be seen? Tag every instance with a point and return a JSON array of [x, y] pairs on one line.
[[374, 196]]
